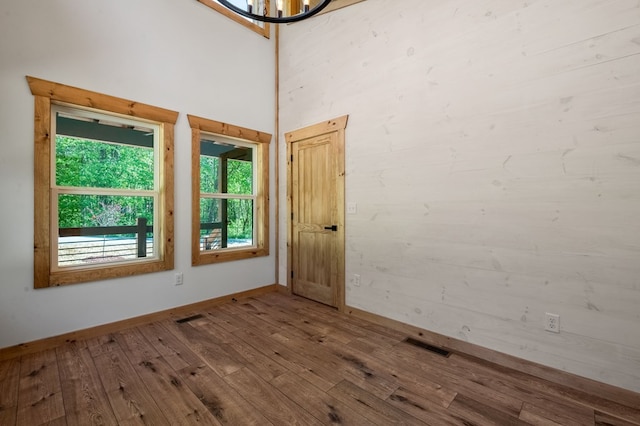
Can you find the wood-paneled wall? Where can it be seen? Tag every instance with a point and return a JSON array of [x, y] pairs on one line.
[[493, 152]]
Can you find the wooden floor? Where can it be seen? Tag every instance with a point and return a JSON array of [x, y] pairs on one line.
[[279, 360]]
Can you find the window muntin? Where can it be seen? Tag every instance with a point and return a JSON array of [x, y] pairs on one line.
[[105, 189], [116, 117], [230, 201]]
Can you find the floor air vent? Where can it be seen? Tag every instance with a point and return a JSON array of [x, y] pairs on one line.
[[187, 319], [430, 348]]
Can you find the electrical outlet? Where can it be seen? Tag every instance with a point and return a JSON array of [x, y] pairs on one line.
[[352, 208], [179, 278], [552, 322], [356, 280]]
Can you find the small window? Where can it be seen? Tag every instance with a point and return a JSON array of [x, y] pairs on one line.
[[261, 28], [104, 189], [230, 192]]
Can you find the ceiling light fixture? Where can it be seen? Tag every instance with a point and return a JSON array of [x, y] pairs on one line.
[[287, 10]]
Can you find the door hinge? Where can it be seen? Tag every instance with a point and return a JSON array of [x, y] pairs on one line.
[[291, 274], [291, 216], [292, 158]]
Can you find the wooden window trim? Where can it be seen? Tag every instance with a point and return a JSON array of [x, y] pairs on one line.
[[47, 93], [262, 141], [263, 31]]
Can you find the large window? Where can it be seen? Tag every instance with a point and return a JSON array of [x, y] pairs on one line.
[[230, 192], [103, 186], [261, 28]]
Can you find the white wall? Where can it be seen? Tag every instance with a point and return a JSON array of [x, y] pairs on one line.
[[173, 54], [493, 151]]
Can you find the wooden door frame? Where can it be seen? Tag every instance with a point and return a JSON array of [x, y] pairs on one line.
[[338, 126]]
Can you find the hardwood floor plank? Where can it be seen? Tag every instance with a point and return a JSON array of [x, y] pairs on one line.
[[346, 332], [135, 346], [303, 326], [367, 346], [301, 364], [249, 321], [398, 374], [103, 344], [536, 419], [322, 406], [272, 317], [478, 413], [334, 366], [218, 356], [292, 302], [222, 320], [179, 406], [559, 414], [168, 345], [570, 400], [345, 323], [428, 390], [430, 367], [276, 406], [60, 421], [40, 394], [272, 349], [424, 409], [249, 356], [362, 370], [369, 406], [206, 325], [84, 398], [226, 405], [255, 360], [549, 402], [603, 419], [130, 399], [332, 354], [616, 410], [259, 334], [420, 373], [9, 382]]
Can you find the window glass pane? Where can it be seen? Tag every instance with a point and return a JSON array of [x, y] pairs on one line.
[[100, 154], [225, 168], [225, 223], [210, 223], [209, 174], [210, 210], [242, 4], [240, 176], [240, 222], [258, 9], [102, 229]]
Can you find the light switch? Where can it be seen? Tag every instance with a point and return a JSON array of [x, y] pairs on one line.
[[352, 208]]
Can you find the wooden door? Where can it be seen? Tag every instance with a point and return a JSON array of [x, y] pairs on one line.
[[316, 174]]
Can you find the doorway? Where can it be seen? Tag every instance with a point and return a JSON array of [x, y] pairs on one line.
[[315, 194]]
